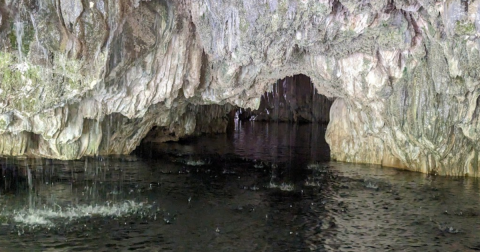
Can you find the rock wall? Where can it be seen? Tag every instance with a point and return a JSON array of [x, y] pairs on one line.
[[88, 77], [292, 99]]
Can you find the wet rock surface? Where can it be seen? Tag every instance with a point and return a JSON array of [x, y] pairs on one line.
[[404, 74]]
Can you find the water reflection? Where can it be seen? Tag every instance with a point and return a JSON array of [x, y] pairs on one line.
[[264, 187]]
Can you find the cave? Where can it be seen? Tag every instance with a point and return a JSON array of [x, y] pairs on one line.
[[89, 85], [292, 99], [249, 125], [290, 113]]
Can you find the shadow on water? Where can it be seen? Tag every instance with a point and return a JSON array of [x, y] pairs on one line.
[[264, 187], [12, 180]]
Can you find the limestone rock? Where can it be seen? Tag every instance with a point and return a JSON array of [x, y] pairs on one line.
[[94, 77]]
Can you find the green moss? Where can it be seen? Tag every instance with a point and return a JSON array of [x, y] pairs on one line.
[[389, 38], [72, 84], [243, 25], [350, 33], [27, 104], [379, 37], [3, 124], [71, 71], [6, 60], [27, 37], [465, 28], [322, 9], [431, 29], [282, 6], [13, 39], [19, 82], [69, 150], [12, 79], [366, 61]]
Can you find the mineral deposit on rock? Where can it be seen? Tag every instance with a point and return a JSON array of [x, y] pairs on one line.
[[95, 77]]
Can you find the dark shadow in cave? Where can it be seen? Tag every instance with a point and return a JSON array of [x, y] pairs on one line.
[[292, 99], [289, 127]]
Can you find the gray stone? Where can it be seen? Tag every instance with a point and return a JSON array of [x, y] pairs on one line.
[[94, 77]]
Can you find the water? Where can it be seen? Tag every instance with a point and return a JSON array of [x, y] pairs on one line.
[[18, 25], [263, 187]]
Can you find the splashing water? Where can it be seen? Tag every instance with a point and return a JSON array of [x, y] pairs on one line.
[[48, 216], [283, 186]]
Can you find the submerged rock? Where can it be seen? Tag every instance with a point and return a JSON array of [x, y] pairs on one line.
[[85, 78]]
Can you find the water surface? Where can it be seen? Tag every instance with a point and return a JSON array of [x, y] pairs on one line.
[[262, 187]]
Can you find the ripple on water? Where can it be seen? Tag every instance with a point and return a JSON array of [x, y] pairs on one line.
[[228, 204]]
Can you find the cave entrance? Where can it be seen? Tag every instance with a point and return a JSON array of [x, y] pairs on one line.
[[292, 99], [280, 146], [288, 127]]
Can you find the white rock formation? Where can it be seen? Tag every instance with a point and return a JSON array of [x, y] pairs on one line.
[[82, 79]]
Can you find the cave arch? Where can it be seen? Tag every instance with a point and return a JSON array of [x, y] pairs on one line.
[[291, 99], [291, 113]]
